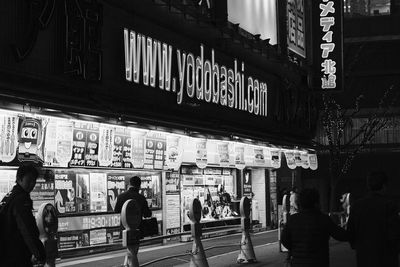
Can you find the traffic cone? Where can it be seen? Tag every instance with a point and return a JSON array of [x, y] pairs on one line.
[[246, 249], [198, 258]]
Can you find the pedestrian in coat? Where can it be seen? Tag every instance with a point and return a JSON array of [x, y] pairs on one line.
[[307, 233], [374, 226], [22, 245]]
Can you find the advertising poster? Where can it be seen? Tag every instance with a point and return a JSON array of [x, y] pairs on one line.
[[138, 146], [259, 158], [43, 192], [276, 158], [290, 160], [122, 148], [172, 183], [173, 152], [313, 161], [304, 160], [92, 145], [98, 192], [154, 156], [78, 145], [223, 154], [64, 137], [247, 190], [116, 186], [114, 236], [7, 181], [9, 140], [297, 158], [82, 192], [50, 149], [64, 184], [173, 212], [150, 189], [106, 145], [30, 136], [201, 153], [97, 237], [58, 143], [127, 151], [239, 157], [74, 239]]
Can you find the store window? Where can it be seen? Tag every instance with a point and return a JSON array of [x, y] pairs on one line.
[[366, 7]]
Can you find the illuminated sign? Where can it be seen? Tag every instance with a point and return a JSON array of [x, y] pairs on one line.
[[88, 222], [148, 61], [327, 15], [296, 26]]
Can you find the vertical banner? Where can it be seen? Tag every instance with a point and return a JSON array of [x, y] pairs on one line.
[[92, 145], [64, 184], [127, 149], [259, 158], [223, 154], [328, 44], [174, 152], [78, 144], [172, 183], [118, 148], [106, 145], [247, 187], [173, 211], [31, 137], [115, 186], [64, 138], [201, 153], [50, 149], [276, 158], [138, 145], [313, 161], [9, 137], [297, 158], [304, 160], [296, 27], [98, 192], [239, 157], [82, 192], [290, 160]]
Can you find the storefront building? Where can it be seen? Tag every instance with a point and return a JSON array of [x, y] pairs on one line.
[[96, 92]]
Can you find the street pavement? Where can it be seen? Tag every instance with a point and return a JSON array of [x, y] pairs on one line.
[[265, 247]]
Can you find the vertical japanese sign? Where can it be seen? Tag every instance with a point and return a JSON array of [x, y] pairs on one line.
[[201, 153], [9, 140], [154, 156], [98, 192], [64, 185], [296, 27], [92, 145], [78, 145], [106, 146], [64, 138], [328, 44]]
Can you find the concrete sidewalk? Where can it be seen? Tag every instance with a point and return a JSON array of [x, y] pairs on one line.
[[341, 255]]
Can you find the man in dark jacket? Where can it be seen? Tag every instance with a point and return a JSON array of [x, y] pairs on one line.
[[307, 233], [374, 226], [133, 193], [19, 228]]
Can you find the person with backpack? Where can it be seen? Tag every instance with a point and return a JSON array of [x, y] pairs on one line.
[[20, 244]]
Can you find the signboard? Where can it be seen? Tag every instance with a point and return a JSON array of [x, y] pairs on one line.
[[58, 143], [327, 44], [7, 181], [82, 192], [290, 160], [172, 183], [174, 152], [247, 187], [106, 145], [154, 156], [173, 211], [138, 145], [9, 140], [43, 192], [259, 157], [75, 223], [296, 27], [30, 137], [78, 145], [73, 239], [313, 161], [276, 159]]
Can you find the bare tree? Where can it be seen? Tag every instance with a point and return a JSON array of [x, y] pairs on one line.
[[336, 119]]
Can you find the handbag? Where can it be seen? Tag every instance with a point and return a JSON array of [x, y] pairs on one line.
[[148, 227]]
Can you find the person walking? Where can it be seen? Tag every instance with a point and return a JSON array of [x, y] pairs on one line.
[[21, 245], [307, 233], [133, 193], [293, 201], [374, 226]]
